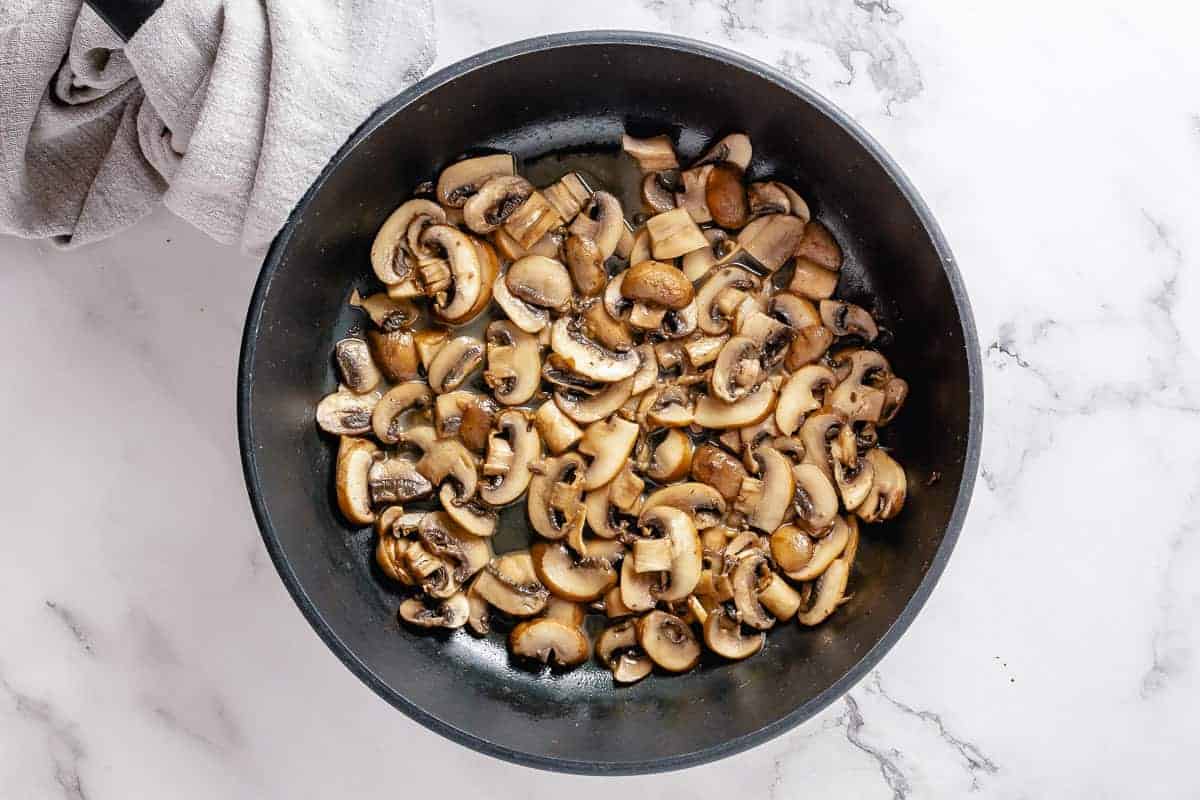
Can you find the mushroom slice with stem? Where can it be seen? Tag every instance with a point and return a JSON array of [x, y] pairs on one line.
[[525, 316], [702, 349], [669, 641], [512, 449], [533, 223], [653, 154], [617, 649], [616, 304], [755, 436], [510, 584], [815, 501], [388, 416], [889, 488], [457, 283], [600, 326], [647, 372], [442, 459], [354, 459], [725, 196], [587, 357], [472, 517], [669, 458], [446, 539], [556, 428], [802, 393], [549, 641], [734, 148], [765, 501], [816, 433], [389, 555], [690, 192], [674, 233], [540, 281], [428, 342], [819, 247], [578, 581], [392, 256], [847, 319], [586, 265], [702, 502], [608, 226], [565, 611], [699, 263], [556, 371], [495, 202], [752, 575], [712, 412], [895, 392], [357, 368], [738, 370], [657, 284], [344, 413], [461, 180], [857, 396], [770, 335], [611, 510], [724, 636], [465, 414], [684, 557], [671, 406], [568, 195], [775, 197], [853, 475], [395, 480], [387, 313], [715, 466], [514, 363], [449, 613], [434, 575], [719, 296], [823, 550], [639, 590], [771, 241], [827, 595], [454, 363], [585, 410], [478, 615], [608, 443], [555, 503]]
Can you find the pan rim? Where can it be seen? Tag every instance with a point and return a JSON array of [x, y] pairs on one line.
[[797, 715]]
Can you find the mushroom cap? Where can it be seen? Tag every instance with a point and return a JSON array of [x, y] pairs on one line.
[[462, 179], [510, 584], [723, 635], [357, 368], [725, 196], [495, 202], [354, 460], [658, 284], [824, 551], [715, 466], [578, 581], [701, 502], [344, 413], [588, 357], [514, 362], [540, 281], [549, 641], [668, 641], [586, 265]]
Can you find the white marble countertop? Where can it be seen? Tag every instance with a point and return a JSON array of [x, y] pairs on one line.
[[149, 650]]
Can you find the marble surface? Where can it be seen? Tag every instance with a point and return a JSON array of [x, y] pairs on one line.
[[148, 649]]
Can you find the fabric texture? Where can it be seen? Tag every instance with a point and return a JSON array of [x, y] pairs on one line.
[[225, 110]]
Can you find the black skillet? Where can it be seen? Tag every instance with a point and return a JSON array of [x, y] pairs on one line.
[[570, 94]]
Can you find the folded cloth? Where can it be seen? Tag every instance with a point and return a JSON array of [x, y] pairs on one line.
[[226, 110]]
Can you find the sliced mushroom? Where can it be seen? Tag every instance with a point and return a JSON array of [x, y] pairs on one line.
[[803, 393], [674, 233], [465, 414], [773, 197], [396, 480], [725, 196], [606, 518], [895, 392], [750, 576], [639, 590], [671, 406], [755, 436], [436, 576], [617, 649], [779, 598], [533, 221], [698, 263], [555, 503], [770, 335], [770, 241], [857, 397], [853, 476], [472, 517], [454, 363], [815, 501], [847, 319], [690, 193], [478, 614], [510, 584], [812, 281], [657, 284], [449, 613], [549, 641], [702, 350], [457, 288], [354, 459], [578, 581], [428, 342], [685, 558], [600, 326], [459, 181], [607, 226], [514, 363], [670, 458], [816, 432], [388, 416], [495, 202], [765, 500], [738, 370], [568, 195], [355, 365], [588, 357], [734, 148], [655, 194], [889, 488], [389, 555], [652, 154], [646, 317], [446, 539], [525, 316], [442, 459], [584, 409], [702, 502], [668, 641], [647, 372], [819, 247], [345, 413], [823, 550], [387, 313], [507, 477], [715, 466], [586, 265], [395, 354], [719, 296], [712, 412], [540, 281], [724, 636], [392, 256], [556, 428], [608, 443], [827, 595]]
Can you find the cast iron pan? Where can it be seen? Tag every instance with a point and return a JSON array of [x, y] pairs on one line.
[[575, 93]]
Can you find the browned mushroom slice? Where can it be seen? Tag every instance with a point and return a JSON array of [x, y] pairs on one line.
[[853, 475], [478, 613], [765, 501], [674, 233], [568, 195], [770, 241], [446, 539], [647, 373], [684, 560], [812, 281], [540, 281], [770, 335], [774, 197], [602, 221], [720, 295], [889, 488], [669, 458], [392, 253], [459, 181], [725, 637], [671, 406], [815, 501], [750, 576], [725, 196], [565, 611], [449, 613], [555, 496], [586, 265], [827, 595], [819, 247], [389, 555], [345, 413], [578, 581], [395, 354], [428, 342], [396, 480], [549, 641], [715, 466], [734, 148], [823, 551], [527, 317], [698, 263], [738, 370], [510, 584], [792, 547], [712, 412], [495, 202], [690, 192], [556, 372], [355, 365], [803, 393], [387, 313], [585, 410], [611, 510], [471, 516], [702, 502], [895, 392], [442, 459], [588, 357], [387, 418], [668, 641], [556, 428], [608, 443], [457, 284], [512, 449], [816, 432], [847, 319], [639, 590], [600, 326], [617, 649], [656, 196], [653, 154], [454, 363], [354, 459], [514, 364], [465, 414]]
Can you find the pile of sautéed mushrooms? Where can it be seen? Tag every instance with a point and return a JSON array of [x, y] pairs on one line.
[[689, 415]]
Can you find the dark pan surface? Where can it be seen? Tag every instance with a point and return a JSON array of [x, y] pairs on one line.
[[576, 92]]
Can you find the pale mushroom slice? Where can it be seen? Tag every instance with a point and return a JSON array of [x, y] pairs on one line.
[[827, 595], [750, 576], [427, 343], [776, 197], [549, 641], [392, 480], [387, 419], [465, 414], [889, 488], [457, 284], [510, 584], [495, 202], [667, 457], [738, 369], [734, 148], [689, 187], [779, 598], [684, 558], [607, 225], [819, 247], [608, 443], [617, 649], [387, 313], [703, 504], [579, 581], [525, 316], [639, 590], [720, 295], [848, 319], [565, 611], [479, 618], [772, 337], [461, 180], [556, 428], [355, 365], [449, 541], [895, 392], [647, 372], [712, 412], [802, 393], [449, 613], [555, 502], [815, 501], [470, 515], [653, 154], [817, 431], [724, 636], [584, 409], [436, 576], [512, 450], [852, 475], [540, 281], [586, 265], [344, 413], [514, 363], [669, 641], [674, 233], [698, 263], [764, 501], [454, 363], [657, 194], [589, 358], [611, 511], [392, 256], [715, 466], [354, 459], [824, 550], [812, 281], [669, 406]]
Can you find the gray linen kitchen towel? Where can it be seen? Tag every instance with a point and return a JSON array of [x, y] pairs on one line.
[[225, 110]]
